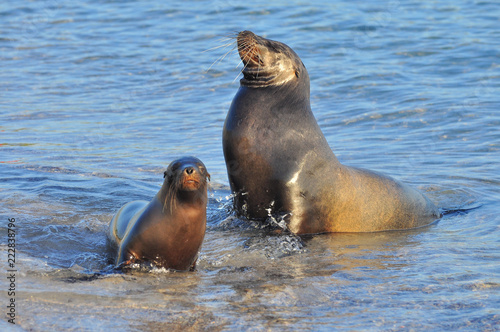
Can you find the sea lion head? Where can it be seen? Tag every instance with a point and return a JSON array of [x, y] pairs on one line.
[[185, 180], [268, 62]]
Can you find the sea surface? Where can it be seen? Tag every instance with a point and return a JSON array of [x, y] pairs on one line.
[[97, 97]]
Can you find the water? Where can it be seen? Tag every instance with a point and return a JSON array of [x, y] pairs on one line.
[[97, 98]]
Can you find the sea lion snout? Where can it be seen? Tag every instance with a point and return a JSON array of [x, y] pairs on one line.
[[266, 62], [191, 174], [249, 50], [191, 178]]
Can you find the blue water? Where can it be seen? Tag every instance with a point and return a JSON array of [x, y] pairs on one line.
[[96, 98]]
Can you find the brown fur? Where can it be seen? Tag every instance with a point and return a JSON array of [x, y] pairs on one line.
[[279, 161], [167, 231]]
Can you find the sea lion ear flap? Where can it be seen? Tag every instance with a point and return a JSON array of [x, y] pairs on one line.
[[167, 173], [208, 176]]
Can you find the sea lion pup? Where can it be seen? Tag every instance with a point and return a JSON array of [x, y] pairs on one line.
[[169, 230], [279, 162]]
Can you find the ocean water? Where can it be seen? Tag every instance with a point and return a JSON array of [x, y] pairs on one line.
[[97, 97]]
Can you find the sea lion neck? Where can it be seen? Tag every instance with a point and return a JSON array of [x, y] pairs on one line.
[[274, 99], [193, 197], [181, 197]]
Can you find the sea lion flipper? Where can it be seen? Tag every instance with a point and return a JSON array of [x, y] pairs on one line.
[[193, 266], [124, 219]]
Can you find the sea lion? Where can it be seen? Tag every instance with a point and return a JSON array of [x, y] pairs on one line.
[[279, 162], [169, 230]]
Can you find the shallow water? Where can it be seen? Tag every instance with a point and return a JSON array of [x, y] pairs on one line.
[[97, 98]]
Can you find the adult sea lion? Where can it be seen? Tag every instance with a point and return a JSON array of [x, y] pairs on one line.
[[169, 230], [279, 162]]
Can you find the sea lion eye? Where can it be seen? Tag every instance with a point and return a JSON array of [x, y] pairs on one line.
[[176, 166], [203, 171]]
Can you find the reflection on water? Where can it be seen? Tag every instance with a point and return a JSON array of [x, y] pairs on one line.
[[97, 98]]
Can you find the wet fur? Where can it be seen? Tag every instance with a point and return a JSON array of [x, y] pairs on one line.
[[168, 230]]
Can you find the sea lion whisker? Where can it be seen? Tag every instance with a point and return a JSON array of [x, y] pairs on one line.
[[244, 46], [248, 51], [244, 50], [217, 47], [243, 69], [228, 36], [228, 52], [232, 35], [236, 77], [247, 55], [244, 43], [219, 59], [243, 58], [241, 61], [224, 40]]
